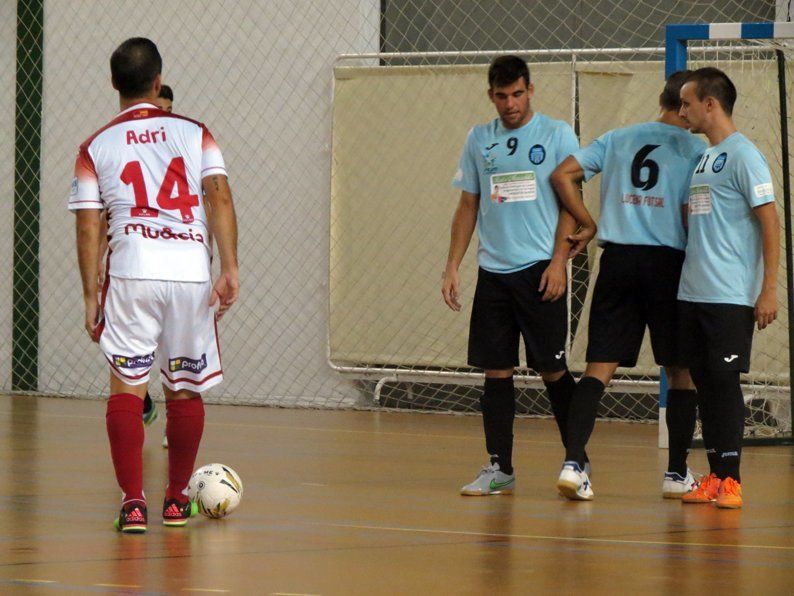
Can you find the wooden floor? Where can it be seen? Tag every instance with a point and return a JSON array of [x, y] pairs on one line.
[[367, 503]]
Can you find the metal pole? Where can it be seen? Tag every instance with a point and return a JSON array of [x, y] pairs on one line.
[[781, 76]]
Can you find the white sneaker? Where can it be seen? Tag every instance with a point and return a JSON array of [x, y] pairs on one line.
[[574, 483], [587, 469], [675, 486], [490, 481]]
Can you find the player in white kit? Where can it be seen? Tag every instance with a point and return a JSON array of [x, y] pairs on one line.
[[152, 171]]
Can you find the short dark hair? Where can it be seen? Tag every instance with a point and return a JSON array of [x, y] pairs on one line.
[[166, 93], [506, 70], [712, 82], [670, 97], [134, 66]]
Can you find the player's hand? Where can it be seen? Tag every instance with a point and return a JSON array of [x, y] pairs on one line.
[[766, 308], [580, 240], [225, 292], [92, 319], [553, 282], [450, 288]]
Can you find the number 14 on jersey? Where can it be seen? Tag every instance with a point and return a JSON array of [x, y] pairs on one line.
[[175, 176]]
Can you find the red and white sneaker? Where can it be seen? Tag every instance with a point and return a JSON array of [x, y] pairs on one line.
[[132, 518], [176, 513]]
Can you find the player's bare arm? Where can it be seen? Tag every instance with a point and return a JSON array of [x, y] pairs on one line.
[[766, 305], [87, 229], [463, 224], [567, 182], [223, 223], [103, 247], [554, 280]]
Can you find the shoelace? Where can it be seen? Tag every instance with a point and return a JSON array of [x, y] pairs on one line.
[[705, 483], [489, 469], [730, 486]]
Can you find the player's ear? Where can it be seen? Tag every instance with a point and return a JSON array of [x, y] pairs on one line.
[[112, 82], [490, 93], [158, 83], [531, 90]]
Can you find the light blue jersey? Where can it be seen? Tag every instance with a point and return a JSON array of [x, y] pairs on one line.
[[645, 182], [509, 169], [724, 255]]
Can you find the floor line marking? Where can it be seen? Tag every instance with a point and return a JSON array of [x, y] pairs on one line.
[[116, 586], [35, 581], [556, 538], [214, 590]]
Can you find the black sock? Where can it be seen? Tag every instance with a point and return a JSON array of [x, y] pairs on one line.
[[498, 403], [680, 416], [147, 402], [704, 390], [581, 417], [726, 407], [560, 396]]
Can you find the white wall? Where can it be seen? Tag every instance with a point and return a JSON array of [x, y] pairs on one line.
[[259, 74]]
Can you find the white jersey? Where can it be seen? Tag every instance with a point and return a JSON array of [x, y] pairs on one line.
[[145, 167]]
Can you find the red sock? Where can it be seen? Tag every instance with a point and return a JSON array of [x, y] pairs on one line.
[[184, 427], [125, 431]]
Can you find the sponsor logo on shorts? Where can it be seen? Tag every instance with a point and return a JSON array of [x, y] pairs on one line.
[[719, 163], [188, 364], [133, 361], [731, 358], [560, 355], [730, 454], [537, 153]]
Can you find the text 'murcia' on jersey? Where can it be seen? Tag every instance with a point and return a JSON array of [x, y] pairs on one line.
[[509, 169], [145, 168], [645, 171], [724, 253]]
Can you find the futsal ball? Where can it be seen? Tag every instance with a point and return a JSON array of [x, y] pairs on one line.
[[216, 489]]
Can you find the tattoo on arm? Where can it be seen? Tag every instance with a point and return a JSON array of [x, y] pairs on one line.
[[215, 182]]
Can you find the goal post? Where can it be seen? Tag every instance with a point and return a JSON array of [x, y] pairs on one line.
[[754, 47]]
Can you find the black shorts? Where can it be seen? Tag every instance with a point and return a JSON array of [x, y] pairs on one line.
[[508, 305], [637, 286], [716, 336]]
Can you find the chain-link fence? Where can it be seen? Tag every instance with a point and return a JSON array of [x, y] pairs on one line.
[[262, 76]]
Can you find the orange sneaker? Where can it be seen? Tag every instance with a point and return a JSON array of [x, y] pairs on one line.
[[730, 495], [706, 491]]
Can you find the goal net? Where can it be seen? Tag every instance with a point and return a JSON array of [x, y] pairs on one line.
[[397, 131]]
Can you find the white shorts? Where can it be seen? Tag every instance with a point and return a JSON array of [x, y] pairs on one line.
[[169, 320]]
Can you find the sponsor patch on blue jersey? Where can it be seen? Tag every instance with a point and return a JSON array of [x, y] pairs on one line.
[[719, 162], [537, 154]]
